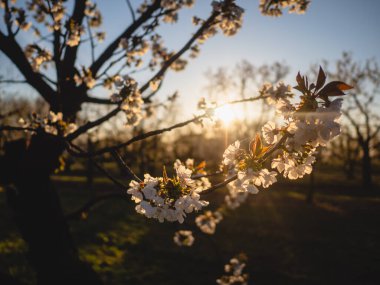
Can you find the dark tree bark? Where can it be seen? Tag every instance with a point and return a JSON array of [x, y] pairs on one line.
[[366, 168], [311, 190], [26, 168]]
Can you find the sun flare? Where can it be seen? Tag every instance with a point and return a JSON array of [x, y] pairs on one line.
[[227, 114]]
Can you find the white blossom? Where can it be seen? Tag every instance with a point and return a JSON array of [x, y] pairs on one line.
[[230, 155], [208, 221], [155, 199], [234, 273], [269, 132], [183, 238]]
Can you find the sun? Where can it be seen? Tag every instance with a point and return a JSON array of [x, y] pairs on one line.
[[227, 114]]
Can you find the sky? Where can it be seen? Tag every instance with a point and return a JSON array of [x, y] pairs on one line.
[[328, 28]]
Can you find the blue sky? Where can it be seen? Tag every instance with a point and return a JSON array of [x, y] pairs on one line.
[[327, 29]]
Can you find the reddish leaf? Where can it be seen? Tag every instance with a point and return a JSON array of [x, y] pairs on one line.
[[256, 146], [321, 78], [201, 165], [298, 88], [165, 175], [344, 86], [334, 88], [301, 83]]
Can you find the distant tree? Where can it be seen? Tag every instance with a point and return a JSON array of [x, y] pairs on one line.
[[361, 107], [346, 152]]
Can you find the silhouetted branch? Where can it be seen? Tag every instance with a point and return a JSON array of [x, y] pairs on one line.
[[101, 169], [177, 55], [128, 170], [14, 52], [108, 52], [131, 10], [91, 203], [151, 133], [14, 128]]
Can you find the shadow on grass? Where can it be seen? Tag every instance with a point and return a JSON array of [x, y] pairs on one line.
[[334, 241]]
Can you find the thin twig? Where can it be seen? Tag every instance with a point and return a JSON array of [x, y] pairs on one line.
[[129, 171], [101, 169], [131, 10], [91, 203]]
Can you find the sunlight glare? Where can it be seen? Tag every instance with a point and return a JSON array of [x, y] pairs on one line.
[[227, 114]]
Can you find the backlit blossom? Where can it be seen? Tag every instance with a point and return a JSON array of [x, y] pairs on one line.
[[269, 132], [166, 198], [183, 238], [208, 221]]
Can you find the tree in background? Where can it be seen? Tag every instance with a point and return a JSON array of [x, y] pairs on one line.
[[360, 109], [346, 152]]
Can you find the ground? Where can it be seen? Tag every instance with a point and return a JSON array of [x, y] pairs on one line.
[[334, 241]]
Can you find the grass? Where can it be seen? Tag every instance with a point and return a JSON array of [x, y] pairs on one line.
[[334, 241]]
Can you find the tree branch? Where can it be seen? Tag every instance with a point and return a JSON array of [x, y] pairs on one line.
[[13, 51], [91, 203], [152, 133], [71, 52], [108, 52], [188, 45]]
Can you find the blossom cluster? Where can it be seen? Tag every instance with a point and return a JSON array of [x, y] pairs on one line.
[[183, 238], [172, 7], [41, 12], [53, 124], [305, 125], [274, 8], [274, 93], [207, 222], [165, 198], [247, 167], [75, 32], [230, 16], [129, 97], [85, 78], [197, 172], [37, 56], [234, 272]]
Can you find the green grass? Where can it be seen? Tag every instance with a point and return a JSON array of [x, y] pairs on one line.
[[334, 241]]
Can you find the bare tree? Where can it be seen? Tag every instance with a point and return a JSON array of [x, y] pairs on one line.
[[346, 152], [360, 111]]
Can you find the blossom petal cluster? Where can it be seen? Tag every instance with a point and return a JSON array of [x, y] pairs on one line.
[[207, 222], [234, 273], [53, 123], [183, 238], [274, 8], [129, 97], [250, 174], [166, 198], [274, 93], [230, 16], [306, 125]]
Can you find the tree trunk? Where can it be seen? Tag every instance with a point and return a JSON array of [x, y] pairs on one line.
[[26, 168], [366, 169], [311, 190], [349, 169]]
